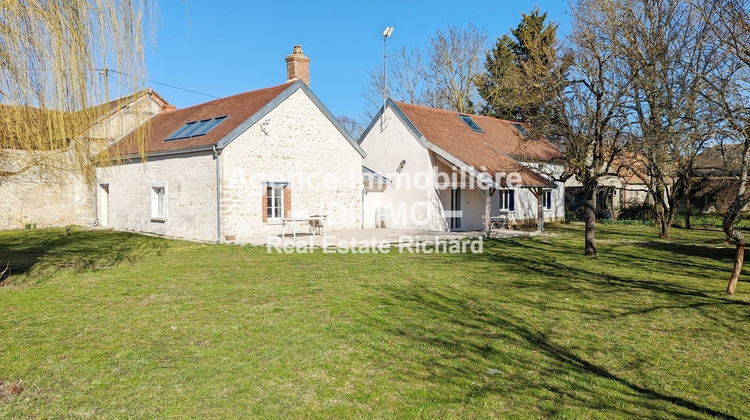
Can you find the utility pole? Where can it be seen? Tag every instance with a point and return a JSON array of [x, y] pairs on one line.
[[386, 34], [105, 73]]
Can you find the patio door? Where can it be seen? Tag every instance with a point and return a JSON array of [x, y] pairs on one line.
[[455, 212]]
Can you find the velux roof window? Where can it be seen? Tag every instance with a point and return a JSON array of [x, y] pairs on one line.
[[195, 128], [521, 129], [471, 123]]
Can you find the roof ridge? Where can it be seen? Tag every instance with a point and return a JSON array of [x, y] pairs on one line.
[[288, 83], [450, 111]]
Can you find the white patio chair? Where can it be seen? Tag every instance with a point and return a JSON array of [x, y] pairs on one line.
[[383, 218]]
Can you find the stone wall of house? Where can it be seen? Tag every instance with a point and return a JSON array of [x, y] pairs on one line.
[[45, 197], [59, 194], [294, 144], [124, 194], [126, 119]]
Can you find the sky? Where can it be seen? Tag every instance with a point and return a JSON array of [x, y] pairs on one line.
[[225, 47]]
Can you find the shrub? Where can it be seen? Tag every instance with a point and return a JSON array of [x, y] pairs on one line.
[[642, 212]]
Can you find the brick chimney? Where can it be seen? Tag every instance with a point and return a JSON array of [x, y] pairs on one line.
[[298, 66]]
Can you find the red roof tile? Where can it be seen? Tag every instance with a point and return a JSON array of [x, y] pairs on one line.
[[495, 150], [237, 108]]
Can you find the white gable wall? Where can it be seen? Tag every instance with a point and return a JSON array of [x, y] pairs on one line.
[[411, 199], [395, 142], [294, 143]]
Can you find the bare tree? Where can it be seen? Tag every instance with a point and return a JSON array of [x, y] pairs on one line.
[[352, 126], [586, 115], [407, 81], [729, 22], [665, 49], [440, 75], [455, 61], [52, 60]]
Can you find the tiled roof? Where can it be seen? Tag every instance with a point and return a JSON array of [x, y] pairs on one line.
[[498, 148], [47, 125], [237, 109], [720, 160]]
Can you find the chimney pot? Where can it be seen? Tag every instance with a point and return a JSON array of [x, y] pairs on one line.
[[298, 66]]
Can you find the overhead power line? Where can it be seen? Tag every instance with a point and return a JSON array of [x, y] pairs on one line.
[[164, 84]]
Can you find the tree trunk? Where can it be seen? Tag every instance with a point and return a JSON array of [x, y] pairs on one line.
[[738, 260], [539, 211], [662, 220], [733, 212], [589, 248], [688, 206]]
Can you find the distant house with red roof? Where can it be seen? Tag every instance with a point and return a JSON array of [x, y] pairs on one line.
[[233, 168], [448, 171]]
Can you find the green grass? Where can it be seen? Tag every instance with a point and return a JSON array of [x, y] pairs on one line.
[[711, 221], [114, 325]]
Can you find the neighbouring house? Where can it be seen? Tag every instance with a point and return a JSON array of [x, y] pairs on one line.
[[623, 188], [440, 170], [54, 186], [232, 168], [717, 170]]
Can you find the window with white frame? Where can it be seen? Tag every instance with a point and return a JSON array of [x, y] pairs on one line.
[[507, 200], [547, 200], [274, 201], [159, 201]]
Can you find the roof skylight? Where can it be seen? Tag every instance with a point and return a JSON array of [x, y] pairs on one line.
[[521, 129], [195, 128], [471, 123]]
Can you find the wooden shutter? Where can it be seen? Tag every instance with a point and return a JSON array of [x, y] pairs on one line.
[[264, 207], [511, 200], [287, 201]]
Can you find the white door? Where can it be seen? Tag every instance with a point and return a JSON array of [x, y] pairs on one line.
[[104, 205]]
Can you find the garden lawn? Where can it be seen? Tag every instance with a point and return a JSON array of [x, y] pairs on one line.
[[114, 325]]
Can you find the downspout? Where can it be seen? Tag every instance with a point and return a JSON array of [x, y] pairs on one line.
[[362, 205], [217, 156]]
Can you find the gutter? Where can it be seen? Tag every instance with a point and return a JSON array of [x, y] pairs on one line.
[[217, 157]]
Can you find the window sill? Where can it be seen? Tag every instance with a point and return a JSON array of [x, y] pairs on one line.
[[158, 219]]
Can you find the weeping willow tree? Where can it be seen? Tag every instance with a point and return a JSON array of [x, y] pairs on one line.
[[55, 57]]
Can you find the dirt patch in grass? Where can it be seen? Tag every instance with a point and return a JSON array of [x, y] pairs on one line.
[[10, 389]]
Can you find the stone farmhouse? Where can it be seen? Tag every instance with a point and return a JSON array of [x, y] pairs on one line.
[[233, 168], [57, 192], [239, 167]]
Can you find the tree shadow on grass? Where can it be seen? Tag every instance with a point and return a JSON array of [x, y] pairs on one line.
[[45, 251], [619, 277], [465, 345], [660, 261]]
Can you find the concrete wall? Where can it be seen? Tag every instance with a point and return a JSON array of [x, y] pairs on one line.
[[190, 196], [44, 196], [295, 144]]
